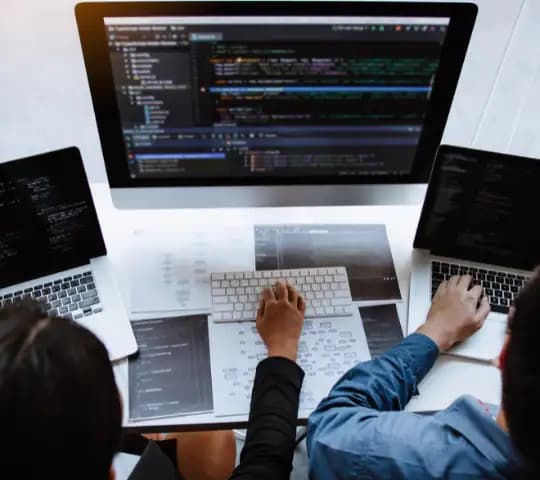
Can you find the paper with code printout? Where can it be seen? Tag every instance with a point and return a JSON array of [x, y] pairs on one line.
[[362, 248], [328, 348], [382, 327], [170, 375], [171, 269]]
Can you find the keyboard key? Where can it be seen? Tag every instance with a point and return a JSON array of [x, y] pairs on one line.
[[90, 294], [88, 302], [57, 282]]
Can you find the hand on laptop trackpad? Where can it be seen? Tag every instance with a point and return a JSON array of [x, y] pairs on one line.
[[485, 344]]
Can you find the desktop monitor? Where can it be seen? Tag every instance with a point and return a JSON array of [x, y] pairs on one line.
[[208, 104]]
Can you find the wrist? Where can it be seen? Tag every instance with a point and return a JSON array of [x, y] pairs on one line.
[[286, 351], [442, 339]]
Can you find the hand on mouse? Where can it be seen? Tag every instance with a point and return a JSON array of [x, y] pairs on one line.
[[280, 319], [456, 312]]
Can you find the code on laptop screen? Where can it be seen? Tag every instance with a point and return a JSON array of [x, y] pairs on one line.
[[48, 218], [478, 207]]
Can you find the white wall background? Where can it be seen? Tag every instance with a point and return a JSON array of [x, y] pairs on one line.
[[45, 102]]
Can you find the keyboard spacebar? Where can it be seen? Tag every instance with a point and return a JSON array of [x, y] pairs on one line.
[[228, 316]]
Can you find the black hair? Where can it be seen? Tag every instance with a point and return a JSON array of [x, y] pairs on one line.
[[60, 409], [521, 376]]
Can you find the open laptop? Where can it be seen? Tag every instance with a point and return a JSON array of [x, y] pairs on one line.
[[52, 249], [478, 218]]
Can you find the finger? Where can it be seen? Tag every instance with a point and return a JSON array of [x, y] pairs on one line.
[[301, 304], [442, 286], [260, 314], [476, 292], [281, 291], [268, 294], [453, 280], [293, 294], [464, 281], [482, 312]]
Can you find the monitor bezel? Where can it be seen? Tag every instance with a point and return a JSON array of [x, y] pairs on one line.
[[90, 20]]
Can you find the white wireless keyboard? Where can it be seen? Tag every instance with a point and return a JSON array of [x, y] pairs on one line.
[[236, 295]]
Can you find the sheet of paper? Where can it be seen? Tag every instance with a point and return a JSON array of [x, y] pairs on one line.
[[171, 269], [382, 327], [170, 374], [328, 348], [363, 249]]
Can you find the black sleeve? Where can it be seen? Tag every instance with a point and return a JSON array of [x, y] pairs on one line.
[[271, 434]]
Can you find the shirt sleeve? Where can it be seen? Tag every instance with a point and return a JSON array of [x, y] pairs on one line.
[[349, 418], [271, 434]]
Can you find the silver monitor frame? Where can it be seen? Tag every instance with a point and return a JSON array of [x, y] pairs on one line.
[[267, 196]]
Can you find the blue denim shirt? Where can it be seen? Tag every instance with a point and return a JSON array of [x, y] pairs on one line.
[[358, 432]]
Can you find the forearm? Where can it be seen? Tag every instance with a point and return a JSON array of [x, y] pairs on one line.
[[271, 434], [387, 382]]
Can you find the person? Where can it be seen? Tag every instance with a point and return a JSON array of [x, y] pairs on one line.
[[61, 411], [359, 430]]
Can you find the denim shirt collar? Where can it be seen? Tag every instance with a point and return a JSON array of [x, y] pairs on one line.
[[468, 417]]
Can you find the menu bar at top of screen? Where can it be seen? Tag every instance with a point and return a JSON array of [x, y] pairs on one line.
[[227, 20]]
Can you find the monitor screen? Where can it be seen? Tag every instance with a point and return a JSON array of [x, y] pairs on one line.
[[254, 96], [224, 94], [478, 207], [49, 222]]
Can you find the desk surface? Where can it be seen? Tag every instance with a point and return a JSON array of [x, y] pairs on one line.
[[449, 378]]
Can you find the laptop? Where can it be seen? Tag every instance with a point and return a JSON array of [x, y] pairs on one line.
[[478, 218], [52, 249]]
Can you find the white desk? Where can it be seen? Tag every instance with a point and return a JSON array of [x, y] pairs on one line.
[[449, 378]]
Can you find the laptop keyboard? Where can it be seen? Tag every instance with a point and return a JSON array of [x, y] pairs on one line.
[[72, 297], [501, 288]]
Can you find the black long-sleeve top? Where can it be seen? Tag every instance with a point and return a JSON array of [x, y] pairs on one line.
[[271, 435]]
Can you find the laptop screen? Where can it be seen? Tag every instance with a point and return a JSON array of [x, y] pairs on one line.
[[49, 222], [481, 206]]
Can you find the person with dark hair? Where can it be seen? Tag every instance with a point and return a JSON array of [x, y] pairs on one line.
[[360, 431], [60, 404], [520, 365]]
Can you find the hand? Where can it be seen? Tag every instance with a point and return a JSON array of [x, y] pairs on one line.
[[280, 319], [455, 313]]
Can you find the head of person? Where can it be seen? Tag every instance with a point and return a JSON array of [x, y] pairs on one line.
[[520, 363], [60, 409]]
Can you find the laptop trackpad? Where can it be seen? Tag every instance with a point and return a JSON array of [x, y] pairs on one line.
[[485, 344]]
